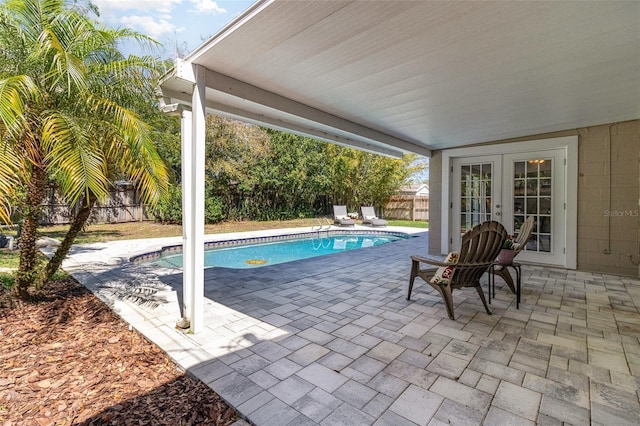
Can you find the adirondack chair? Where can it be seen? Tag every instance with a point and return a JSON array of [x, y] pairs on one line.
[[521, 241], [479, 249]]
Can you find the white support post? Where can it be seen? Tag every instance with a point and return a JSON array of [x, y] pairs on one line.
[[187, 220], [195, 208]]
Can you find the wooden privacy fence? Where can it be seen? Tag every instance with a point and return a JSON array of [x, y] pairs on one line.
[[407, 207], [123, 206]]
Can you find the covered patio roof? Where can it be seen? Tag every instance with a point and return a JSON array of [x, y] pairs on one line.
[[401, 76], [413, 76]]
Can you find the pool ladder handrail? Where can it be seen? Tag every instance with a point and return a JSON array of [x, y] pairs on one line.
[[319, 237], [320, 224]]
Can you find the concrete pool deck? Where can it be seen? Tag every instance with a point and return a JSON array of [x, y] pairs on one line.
[[333, 341]]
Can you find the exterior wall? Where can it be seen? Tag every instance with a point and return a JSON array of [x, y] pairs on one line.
[[435, 201], [608, 197], [423, 192], [414, 190]]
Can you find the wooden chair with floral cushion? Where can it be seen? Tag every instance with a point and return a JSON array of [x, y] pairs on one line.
[[519, 243], [480, 246]]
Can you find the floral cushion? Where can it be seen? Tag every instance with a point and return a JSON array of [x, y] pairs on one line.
[[443, 274]]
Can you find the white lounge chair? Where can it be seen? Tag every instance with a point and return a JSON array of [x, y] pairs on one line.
[[369, 217], [340, 216]]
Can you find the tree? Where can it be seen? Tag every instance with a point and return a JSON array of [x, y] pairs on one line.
[[361, 178], [292, 178], [65, 89], [234, 150], [269, 174]]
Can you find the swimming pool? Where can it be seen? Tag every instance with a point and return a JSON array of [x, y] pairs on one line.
[[258, 252]]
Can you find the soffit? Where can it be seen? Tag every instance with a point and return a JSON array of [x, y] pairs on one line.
[[436, 74]]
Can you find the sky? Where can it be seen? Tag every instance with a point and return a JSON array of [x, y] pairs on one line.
[[181, 24]]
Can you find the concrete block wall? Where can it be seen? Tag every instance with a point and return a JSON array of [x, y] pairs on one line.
[[435, 201], [608, 197]]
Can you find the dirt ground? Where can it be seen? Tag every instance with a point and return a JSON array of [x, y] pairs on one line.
[[67, 359]]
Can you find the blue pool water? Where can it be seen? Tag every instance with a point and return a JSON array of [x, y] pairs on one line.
[[271, 253]]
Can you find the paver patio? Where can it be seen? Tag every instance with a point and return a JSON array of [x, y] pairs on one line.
[[333, 341]]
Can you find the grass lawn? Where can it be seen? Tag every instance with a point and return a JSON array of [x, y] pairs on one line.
[[137, 230], [409, 223], [9, 259]]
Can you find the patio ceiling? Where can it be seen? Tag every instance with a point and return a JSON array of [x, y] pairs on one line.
[[413, 76]]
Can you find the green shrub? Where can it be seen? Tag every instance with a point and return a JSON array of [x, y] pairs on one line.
[[213, 210], [170, 210]]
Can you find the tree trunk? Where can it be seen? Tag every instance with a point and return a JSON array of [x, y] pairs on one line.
[[77, 225], [27, 269]]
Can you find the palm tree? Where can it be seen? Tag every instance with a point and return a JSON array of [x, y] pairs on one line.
[[65, 89]]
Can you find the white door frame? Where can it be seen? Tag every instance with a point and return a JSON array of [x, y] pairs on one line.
[[568, 143]]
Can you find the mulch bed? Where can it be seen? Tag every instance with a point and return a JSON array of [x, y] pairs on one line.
[[67, 359]]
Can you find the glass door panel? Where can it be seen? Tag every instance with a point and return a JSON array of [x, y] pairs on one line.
[[534, 182], [474, 194], [536, 200]]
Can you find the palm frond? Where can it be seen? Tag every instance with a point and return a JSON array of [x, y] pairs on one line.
[[78, 163], [65, 68], [9, 182], [149, 172], [15, 93], [129, 147]]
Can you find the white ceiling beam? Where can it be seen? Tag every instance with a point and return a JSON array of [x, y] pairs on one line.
[[301, 129], [284, 125], [248, 92]]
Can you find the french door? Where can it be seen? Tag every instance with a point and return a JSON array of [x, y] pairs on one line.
[[509, 188]]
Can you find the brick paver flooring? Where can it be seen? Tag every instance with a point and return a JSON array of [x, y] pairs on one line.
[[333, 340]]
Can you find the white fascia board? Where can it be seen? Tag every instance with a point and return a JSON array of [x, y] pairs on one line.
[[248, 92], [229, 29], [181, 74], [184, 70], [169, 97], [173, 109]]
